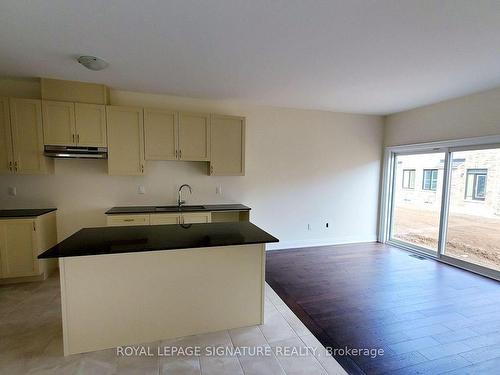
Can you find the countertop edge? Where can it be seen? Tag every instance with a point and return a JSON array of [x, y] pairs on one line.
[[163, 249], [20, 215], [152, 211]]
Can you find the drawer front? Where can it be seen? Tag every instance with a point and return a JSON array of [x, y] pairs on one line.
[[193, 218], [162, 219], [122, 220]]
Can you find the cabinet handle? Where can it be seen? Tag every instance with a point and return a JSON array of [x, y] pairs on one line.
[[128, 220], [180, 154], [10, 166], [176, 154], [73, 138], [15, 166], [78, 138], [211, 169], [142, 168]]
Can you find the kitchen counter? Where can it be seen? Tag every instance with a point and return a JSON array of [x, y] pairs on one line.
[[129, 285], [25, 212], [115, 240], [188, 208]]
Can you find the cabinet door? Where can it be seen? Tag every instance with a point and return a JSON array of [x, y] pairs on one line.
[[160, 134], [59, 123], [162, 219], [196, 217], [90, 122], [125, 140], [124, 220], [6, 161], [17, 248], [194, 136], [227, 134], [27, 136]]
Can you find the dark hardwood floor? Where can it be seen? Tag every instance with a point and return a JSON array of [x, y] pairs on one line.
[[430, 318]]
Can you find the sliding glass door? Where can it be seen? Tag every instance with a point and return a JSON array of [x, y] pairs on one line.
[[445, 202], [416, 205], [473, 233]]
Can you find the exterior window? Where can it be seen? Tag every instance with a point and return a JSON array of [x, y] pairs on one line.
[[408, 178], [475, 185], [430, 179]]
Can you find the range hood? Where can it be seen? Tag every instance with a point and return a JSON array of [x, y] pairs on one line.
[[76, 152]]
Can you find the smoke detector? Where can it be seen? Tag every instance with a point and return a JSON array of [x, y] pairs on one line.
[[92, 62]]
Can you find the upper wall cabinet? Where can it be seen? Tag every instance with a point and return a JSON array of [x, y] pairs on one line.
[[194, 137], [74, 124], [25, 146], [59, 123], [160, 134], [90, 123], [125, 140], [227, 146]]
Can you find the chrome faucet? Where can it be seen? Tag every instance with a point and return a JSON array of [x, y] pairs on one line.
[[180, 202]]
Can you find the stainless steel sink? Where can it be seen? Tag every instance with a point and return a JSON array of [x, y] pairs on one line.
[[177, 208]]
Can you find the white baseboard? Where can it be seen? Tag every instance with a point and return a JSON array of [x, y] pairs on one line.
[[319, 242]]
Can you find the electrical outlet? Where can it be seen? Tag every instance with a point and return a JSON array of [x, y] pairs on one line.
[[141, 189], [218, 190], [12, 191]]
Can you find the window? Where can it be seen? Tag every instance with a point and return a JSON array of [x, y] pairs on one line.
[[430, 179], [475, 184], [408, 178]]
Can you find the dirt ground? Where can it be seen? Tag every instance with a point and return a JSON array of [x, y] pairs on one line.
[[473, 239]]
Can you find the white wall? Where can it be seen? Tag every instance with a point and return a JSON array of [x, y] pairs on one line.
[[302, 167], [469, 116]]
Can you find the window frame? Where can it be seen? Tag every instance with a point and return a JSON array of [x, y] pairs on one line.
[[432, 170], [475, 172], [411, 183]]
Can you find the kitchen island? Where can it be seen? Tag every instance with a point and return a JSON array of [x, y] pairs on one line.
[[137, 284]]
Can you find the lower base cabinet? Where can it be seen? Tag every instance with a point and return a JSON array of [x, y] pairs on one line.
[[159, 219], [21, 241]]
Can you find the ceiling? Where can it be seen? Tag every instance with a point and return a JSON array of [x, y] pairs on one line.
[[362, 56]]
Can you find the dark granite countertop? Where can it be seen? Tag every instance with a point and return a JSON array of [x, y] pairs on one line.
[[173, 208], [129, 239], [25, 212]]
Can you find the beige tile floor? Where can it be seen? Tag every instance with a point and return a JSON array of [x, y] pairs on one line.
[[31, 342]]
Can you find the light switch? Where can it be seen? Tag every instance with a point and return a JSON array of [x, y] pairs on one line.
[[218, 190], [12, 191], [142, 190]]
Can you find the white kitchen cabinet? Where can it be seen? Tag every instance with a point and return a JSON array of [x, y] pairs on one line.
[[159, 218], [26, 147], [21, 241], [160, 134], [227, 146], [125, 140], [194, 136], [74, 124]]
